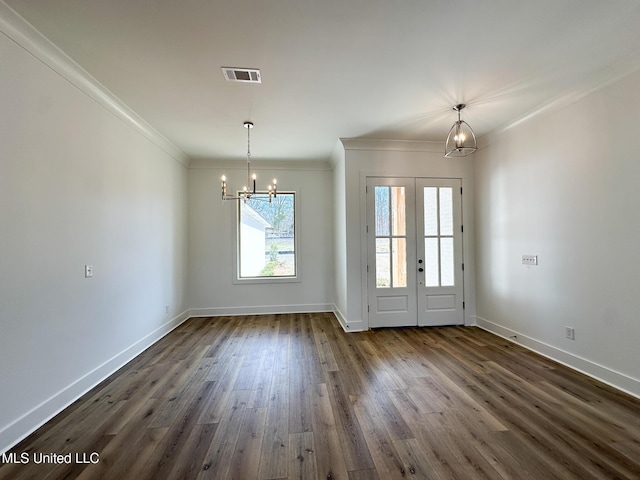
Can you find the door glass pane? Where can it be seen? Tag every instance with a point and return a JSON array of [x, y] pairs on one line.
[[446, 262], [431, 264], [430, 211], [446, 211], [398, 211], [382, 210], [383, 263], [399, 262]]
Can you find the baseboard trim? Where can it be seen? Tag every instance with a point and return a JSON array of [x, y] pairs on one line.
[[348, 326], [260, 310], [603, 374], [19, 429]]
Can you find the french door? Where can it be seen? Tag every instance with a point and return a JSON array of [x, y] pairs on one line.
[[414, 252]]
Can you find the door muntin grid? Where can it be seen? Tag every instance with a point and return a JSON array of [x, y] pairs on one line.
[[438, 237], [390, 236]]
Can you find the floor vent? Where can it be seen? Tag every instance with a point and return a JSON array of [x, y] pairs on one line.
[[244, 75]]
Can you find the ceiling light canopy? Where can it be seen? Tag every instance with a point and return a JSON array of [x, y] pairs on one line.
[[461, 140], [249, 190]]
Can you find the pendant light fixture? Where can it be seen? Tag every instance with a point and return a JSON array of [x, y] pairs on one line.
[[249, 190], [461, 140]]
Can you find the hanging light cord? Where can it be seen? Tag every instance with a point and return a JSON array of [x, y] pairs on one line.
[[249, 158], [249, 190]]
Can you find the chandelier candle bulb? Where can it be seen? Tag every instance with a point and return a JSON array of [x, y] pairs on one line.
[[224, 186]]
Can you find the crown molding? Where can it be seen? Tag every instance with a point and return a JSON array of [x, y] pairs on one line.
[[241, 164], [23, 34], [392, 145]]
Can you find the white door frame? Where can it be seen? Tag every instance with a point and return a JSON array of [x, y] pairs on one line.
[[442, 303], [394, 305], [438, 305]]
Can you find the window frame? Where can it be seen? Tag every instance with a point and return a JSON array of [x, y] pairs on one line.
[[297, 278]]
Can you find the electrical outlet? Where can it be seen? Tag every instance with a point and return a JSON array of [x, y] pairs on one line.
[[88, 271], [166, 309], [529, 259], [570, 333]]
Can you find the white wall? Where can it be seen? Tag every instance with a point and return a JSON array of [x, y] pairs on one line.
[[564, 186], [211, 240], [401, 159], [78, 185], [340, 232]]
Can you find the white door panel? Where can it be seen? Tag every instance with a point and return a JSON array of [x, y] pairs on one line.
[[391, 276], [439, 251], [414, 251]]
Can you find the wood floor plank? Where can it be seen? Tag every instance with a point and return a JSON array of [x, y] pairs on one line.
[[177, 374], [217, 461], [446, 454], [543, 437], [221, 393], [293, 396], [519, 455], [354, 445], [189, 461], [381, 367], [274, 451], [329, 458], [132, 441], [302, 457], [173, 407], [415, 462], [368, 474], [246, 457], [468, 437], [327, 360], [299, 397], [356, 378], [459, 398], [379, 442], [184, 427]]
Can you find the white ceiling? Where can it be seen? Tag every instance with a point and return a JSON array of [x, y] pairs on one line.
[[388, 69]]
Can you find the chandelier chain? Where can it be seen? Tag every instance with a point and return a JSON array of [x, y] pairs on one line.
[[248, 142]]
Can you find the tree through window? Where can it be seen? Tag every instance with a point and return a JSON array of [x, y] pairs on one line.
[[267, 246]]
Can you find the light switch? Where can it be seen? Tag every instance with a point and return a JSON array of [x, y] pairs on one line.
[[88, 271]]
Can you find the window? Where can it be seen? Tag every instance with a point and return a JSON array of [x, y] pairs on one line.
[[267, 238], [438, 237], [391, 237]]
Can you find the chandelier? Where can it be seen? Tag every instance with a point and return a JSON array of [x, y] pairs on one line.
[[461, 140], [249, 190]]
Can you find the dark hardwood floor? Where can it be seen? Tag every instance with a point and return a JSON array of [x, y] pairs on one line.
[[293, 396]]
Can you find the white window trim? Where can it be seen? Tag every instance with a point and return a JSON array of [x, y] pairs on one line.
[[236, 280]]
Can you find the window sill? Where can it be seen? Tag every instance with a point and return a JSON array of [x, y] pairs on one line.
[[264, 280]]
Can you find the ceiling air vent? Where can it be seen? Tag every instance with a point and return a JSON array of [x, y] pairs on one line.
[[245, 75]]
